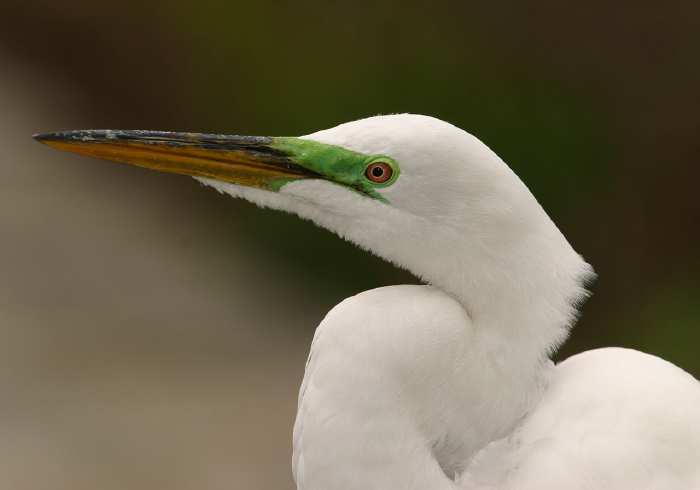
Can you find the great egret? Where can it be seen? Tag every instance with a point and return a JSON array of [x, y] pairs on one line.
[[447, 385]]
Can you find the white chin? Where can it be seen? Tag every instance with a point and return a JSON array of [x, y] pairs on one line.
[[265, 199]]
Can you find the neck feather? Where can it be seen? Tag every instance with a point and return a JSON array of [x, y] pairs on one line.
[[513, 271]]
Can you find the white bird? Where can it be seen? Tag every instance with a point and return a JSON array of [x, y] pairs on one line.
[[446, 385]]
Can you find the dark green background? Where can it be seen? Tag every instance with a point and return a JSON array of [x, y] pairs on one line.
[[594, 104]]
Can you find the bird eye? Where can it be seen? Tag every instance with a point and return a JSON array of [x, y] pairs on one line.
[[379, 172]]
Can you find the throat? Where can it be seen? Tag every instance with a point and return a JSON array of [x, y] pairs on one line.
[[518, 279]]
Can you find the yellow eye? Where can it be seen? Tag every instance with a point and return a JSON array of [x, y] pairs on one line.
[[379, 172]]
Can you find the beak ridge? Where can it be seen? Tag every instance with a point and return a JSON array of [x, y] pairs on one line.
[[245, 160]]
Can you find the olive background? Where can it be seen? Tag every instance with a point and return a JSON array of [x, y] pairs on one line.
[[153, 332]]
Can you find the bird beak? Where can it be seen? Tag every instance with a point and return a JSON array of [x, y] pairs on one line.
[[261, 162]]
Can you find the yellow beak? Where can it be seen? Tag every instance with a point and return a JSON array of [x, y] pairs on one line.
[[247, 160]]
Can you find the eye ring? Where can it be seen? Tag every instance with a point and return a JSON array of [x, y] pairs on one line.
[[379, 172]]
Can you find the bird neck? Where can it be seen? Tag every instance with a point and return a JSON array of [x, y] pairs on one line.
[[496, 251], [522, 291], [508, 265]]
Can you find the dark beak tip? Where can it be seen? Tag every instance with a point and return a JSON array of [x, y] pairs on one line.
[[47, 137], [66, 136]]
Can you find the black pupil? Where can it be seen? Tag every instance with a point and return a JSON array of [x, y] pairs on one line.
[[377, 171]]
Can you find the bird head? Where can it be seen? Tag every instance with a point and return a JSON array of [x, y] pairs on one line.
[[415, 190], [381, 174]]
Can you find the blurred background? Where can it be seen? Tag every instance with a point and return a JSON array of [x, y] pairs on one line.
[[153, 333]]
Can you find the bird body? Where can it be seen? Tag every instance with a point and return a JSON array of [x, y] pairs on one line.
[[446, 385], [608, 418], [407, 412], [611, 418]]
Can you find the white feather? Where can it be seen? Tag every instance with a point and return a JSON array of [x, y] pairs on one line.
[[450, 385]]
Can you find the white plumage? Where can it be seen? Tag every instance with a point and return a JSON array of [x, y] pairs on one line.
[[450, 385]]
